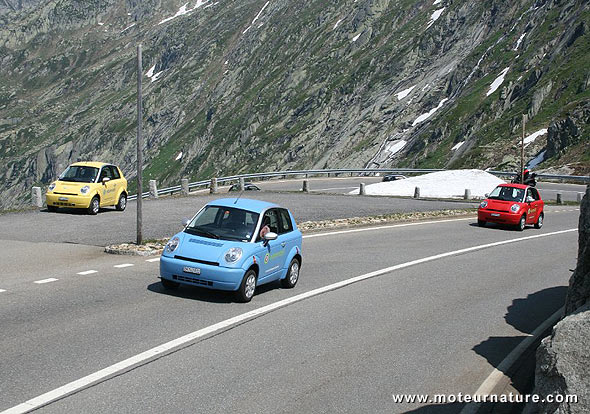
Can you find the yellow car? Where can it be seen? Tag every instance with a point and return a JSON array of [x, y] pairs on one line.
[[88, 185]]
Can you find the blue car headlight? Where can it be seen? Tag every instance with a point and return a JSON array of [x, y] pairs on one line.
[[233, 255], [172, 244], [514, 208]]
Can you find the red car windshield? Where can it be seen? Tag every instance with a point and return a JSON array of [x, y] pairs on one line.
[[507, 194]]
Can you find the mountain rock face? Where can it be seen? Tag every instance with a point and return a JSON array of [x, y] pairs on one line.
[[235, 86]]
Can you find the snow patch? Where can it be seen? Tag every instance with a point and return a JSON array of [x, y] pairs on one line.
[[497, 82], [443, 184], [127, 28], [436, 2], [354, 39], [457, 146], [519, 41], [435, 16], [257, 17], [337, 24], [153, 76], [396, 146], [179, 156], [184, 10], [534, 136], [401, 95], [428, 114]]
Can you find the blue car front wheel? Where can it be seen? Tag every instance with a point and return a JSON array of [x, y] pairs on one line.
[[247, 287], [292, 275]]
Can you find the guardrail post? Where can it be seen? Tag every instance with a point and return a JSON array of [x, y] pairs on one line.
[[467, 195], [153, 189], [580, 196], [305, 188], [213, 186], [184, 186], [417, 192], [36, 197], [241, 184], [362, 190], [558, 200]]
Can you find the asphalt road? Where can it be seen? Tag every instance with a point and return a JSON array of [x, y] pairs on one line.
[[439, 326], [163, 217]]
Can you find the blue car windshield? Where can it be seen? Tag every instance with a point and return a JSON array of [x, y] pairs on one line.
[[225, 223], [79, 174]]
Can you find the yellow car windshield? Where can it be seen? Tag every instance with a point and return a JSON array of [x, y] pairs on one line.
[[79, 174]]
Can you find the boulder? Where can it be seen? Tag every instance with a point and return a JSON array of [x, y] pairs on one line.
[[563, 359]]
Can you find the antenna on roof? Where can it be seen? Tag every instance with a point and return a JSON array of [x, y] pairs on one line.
[[241, 192]]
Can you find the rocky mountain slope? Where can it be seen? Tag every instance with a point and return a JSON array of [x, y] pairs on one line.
[[233, 86]]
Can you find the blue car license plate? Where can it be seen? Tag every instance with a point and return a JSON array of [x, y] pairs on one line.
[[193, 270]]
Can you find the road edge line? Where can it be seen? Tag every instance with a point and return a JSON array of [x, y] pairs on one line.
[[490, 383]]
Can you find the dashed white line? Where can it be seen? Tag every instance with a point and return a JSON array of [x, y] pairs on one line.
[[157, 259], [150, 354], [2, 290], [123, 265], [87, 272], [51, 279]]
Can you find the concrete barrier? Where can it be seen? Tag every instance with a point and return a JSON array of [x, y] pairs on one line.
[[153, 189], [558, 199], [184, 186], [242, 184], [37, 197], [467, 195], [362, 190], [213, 186], [305, 188], [580, 196], [417, 192]]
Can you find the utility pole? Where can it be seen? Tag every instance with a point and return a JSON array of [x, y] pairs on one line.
[[522, 150], [139, 147]]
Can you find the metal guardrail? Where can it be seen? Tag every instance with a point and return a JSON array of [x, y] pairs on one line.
[[337, 171]]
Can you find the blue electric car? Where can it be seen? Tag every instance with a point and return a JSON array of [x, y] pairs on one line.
[[234, 244]]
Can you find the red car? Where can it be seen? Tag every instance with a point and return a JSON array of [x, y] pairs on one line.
[[512, 204]]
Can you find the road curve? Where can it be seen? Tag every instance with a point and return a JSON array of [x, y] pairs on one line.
[[435, 327]]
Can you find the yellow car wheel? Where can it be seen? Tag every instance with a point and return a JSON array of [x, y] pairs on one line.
[[94, 206], [122, 203]]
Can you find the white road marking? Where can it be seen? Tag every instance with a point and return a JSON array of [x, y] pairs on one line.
[[157, 259], [87, 272], [2, 290], [123, 265], [487, 387], [150, 354], [51, 279], [391, 226]]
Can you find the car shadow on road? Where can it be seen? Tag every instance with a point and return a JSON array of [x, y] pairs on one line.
[[80, 211], [495, 226], [207, 295]]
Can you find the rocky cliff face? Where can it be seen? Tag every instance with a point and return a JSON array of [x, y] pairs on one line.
[[236, 86], [563, 359]]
